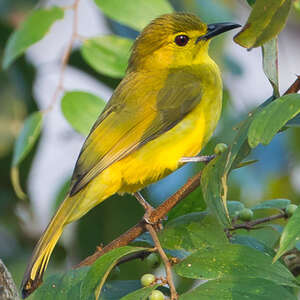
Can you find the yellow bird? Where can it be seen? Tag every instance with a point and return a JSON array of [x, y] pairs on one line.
[[166, 107]]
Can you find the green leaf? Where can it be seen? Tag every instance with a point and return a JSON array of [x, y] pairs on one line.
[[252, 242], [290, 235], [15, 180], [48, 289], [214, 189], [245, 163], [81, 109], [272, 118], [272, 204], [141, 294], [23, 145], [214, 176], [66, 286], [107, 54], [192, 232], [61, 286], [268, 235], [265, 22], [234, 261], [295, 122], [99, 271], [270, 63], [33, 29], [238, 288], [27, 137], [134, 13]]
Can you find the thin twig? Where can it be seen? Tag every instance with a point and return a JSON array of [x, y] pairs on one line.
[[65, 57], [295, 87], [251, 225], [165, 260]]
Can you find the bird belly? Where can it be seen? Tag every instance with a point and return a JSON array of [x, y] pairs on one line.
[[161, 156]]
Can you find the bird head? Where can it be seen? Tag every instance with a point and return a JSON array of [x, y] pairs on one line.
[[174, 40]]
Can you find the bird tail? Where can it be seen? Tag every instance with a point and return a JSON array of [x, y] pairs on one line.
[[33, 276]]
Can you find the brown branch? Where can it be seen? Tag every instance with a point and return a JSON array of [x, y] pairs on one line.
[[251, 225], [8, 290], [295, 87], [65, 57], [155, 217], [165, 259]]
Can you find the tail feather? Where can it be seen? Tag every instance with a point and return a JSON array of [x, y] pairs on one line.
[[34, 272], [71, 209]]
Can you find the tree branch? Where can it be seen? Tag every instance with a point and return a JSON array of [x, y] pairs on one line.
[[295, 87], [251, 225], [155, 217], [8, 290]]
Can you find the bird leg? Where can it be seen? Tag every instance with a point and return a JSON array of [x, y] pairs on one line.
[[139, 197], [148, 208], [148, 211], [203, 158]]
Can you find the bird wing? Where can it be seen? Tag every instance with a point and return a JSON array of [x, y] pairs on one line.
[[129, 122]]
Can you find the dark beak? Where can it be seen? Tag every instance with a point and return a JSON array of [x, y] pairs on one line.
[[216, 29]]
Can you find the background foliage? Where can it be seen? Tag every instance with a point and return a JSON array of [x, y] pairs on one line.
[[237, 264]]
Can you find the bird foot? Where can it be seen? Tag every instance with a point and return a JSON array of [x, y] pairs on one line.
[[203, 158]]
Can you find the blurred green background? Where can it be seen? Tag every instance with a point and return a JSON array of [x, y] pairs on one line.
[[28, 85]]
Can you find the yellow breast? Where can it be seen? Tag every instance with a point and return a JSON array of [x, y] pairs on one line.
[[161, 156]]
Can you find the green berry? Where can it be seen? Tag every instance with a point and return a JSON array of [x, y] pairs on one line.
[[246, 214], [290, 209], [153, 260], [220, 148], [156, 295], [147, 279]]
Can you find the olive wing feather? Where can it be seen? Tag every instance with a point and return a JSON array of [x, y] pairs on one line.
[[128, 123]]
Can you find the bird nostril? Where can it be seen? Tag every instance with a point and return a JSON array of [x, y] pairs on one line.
[[211, 27]]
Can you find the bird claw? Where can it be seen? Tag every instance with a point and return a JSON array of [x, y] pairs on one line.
[[204, 158], [156, 225]]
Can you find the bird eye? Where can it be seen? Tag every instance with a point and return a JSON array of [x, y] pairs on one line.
[[181, 40]]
